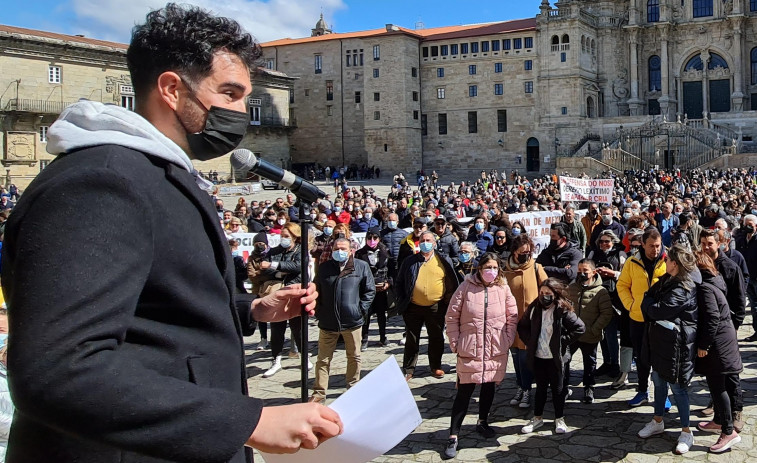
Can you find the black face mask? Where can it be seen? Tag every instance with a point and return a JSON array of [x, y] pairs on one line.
[[521, 258], [582, 277], [546, 300], [223, 132]]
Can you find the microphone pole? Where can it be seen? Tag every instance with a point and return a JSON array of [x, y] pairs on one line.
[[304, 262]]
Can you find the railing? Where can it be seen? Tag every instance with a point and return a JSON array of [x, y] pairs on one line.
[[622, 160], [278, 122], [726, 133], [589, 18], [586, 138], [37, 106]]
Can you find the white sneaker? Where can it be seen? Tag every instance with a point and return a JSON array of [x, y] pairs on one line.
[[275, 368], [310, 365], [525, 401], [402, 341], [262, 345], [560, 426], [532, 426], [652, 428], [517, 397], [685, 442]]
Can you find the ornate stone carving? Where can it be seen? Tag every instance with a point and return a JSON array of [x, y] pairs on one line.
[[20, 146], [703, 37], [728, 7], [112, 82], [620, 85]]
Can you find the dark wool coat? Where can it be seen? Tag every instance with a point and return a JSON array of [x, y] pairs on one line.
[[715, 331], [566, 330], [126, 343]]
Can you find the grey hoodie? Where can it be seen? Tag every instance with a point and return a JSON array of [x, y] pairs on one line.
[[89, 123]]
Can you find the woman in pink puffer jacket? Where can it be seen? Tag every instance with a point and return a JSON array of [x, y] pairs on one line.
[[481, 324]]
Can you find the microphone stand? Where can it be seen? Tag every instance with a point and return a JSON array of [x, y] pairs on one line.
[[304, 262]]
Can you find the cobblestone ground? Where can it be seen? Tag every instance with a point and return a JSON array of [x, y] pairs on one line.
[[603, 431]]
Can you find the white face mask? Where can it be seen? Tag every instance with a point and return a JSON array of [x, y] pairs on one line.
[[281, 221], [368, 215]]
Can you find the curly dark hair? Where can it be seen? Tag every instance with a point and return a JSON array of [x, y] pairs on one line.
[[184, 39]]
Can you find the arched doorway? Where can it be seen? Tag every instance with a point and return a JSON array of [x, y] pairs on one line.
[[532, 154], [717, 81], [590, 108]]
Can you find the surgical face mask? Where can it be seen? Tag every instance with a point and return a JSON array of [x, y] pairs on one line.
[[338, 209], [223, 132], [626, 215], [312, 216], [285, 242], [328, 231], [490, 274], [722, 247], [359, 216], [516, 231], [607, 219], [281, 221], [465, 257], [236, 253], [339, 255], [479, 226], [373, 243], [392, 224], [427, 247], [226, 221], [417, 213], [349, 208], [546, 299], [368, 216], [749, 229]]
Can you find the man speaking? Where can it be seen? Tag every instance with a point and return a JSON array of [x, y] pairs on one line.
[[126, 341]]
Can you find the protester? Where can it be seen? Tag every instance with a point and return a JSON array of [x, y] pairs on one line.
[[524, 276], [375, 254], [560, 258], [347, 290], [670, 308], [257, 277], [424, 286], [447, 245], [547, 328], [467, 259], [481, 324], [575, 230], [746, 244], [479, 233], [501, 245]]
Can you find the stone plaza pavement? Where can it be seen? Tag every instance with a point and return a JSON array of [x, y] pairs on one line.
[[603, 431]]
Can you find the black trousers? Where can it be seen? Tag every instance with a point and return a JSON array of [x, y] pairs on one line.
[[278, 330], [642, 369], [589, 352], [415, 317], [548, 374], [721, 400], [378, 307], [462, 400]]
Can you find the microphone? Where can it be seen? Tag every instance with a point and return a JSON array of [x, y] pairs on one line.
[[243, 159]]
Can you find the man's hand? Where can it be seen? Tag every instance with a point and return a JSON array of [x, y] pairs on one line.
[[265, 265], [288, 428], [285, 304]]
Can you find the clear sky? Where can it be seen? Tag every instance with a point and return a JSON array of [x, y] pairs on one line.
[[266, 19]]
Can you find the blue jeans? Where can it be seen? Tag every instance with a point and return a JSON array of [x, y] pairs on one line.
[[523, 375], [610, 346], [751, 292], [680, 393]]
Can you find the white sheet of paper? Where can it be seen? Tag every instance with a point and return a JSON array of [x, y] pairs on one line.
[[377, 414]]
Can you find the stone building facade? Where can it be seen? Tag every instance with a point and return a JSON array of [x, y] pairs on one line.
[[581, 75], [41, 73]]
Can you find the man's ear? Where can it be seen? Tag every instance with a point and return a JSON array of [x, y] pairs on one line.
[[169, 86]]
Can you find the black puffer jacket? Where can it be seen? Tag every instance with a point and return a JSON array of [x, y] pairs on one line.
[[448, 245], [345, 296], [392, 240], [567, 328], [715, 331], [289, 264], [735, 291], [671, 352], [555, 262]]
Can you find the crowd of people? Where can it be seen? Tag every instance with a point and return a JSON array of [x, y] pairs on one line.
[[658, 278]]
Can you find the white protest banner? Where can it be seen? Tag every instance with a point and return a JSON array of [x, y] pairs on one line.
[[246, 241], [538, 225], [238, 189], [586, 189]]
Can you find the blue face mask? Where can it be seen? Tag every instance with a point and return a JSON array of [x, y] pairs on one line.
[[236, 253], [516, 231], [465, 257], [328, 231], [285, 242], [479, 226], [427, 247], [392, 224], [339, 255]]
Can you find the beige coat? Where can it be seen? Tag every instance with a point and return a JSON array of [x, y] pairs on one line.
[[524, 281]]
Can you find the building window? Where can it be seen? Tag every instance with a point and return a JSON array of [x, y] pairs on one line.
[[653, 11], [358, 97], [53, 74], [415, 96], [361, 57], [497, 67], [43, 163], [439, 72], [376, 115], [655, 74], [376, 96], [501, 120], [376, 53], [415, 115], [307, 92], [43, 133], [440, 93], [505, 44], [498, 89], [464, 48], [752, 5], [528, 65], [349, 58], [453, 49], [269, 63], [472, 122], [654, 107], [414, 72], [702, 8], [564, 110], [753, 60], [443, 124], [318, 64], [472, 69], [291, 96], [444, 49], [529, 87], [434, 51], [474, 47], [472, 90], [529, 42], [127, 97], [495, 45], [424, 125], [425, 52], [329, 110], [329, 90], [517, 44], [484, 47], [375, 73], [563, 57]]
